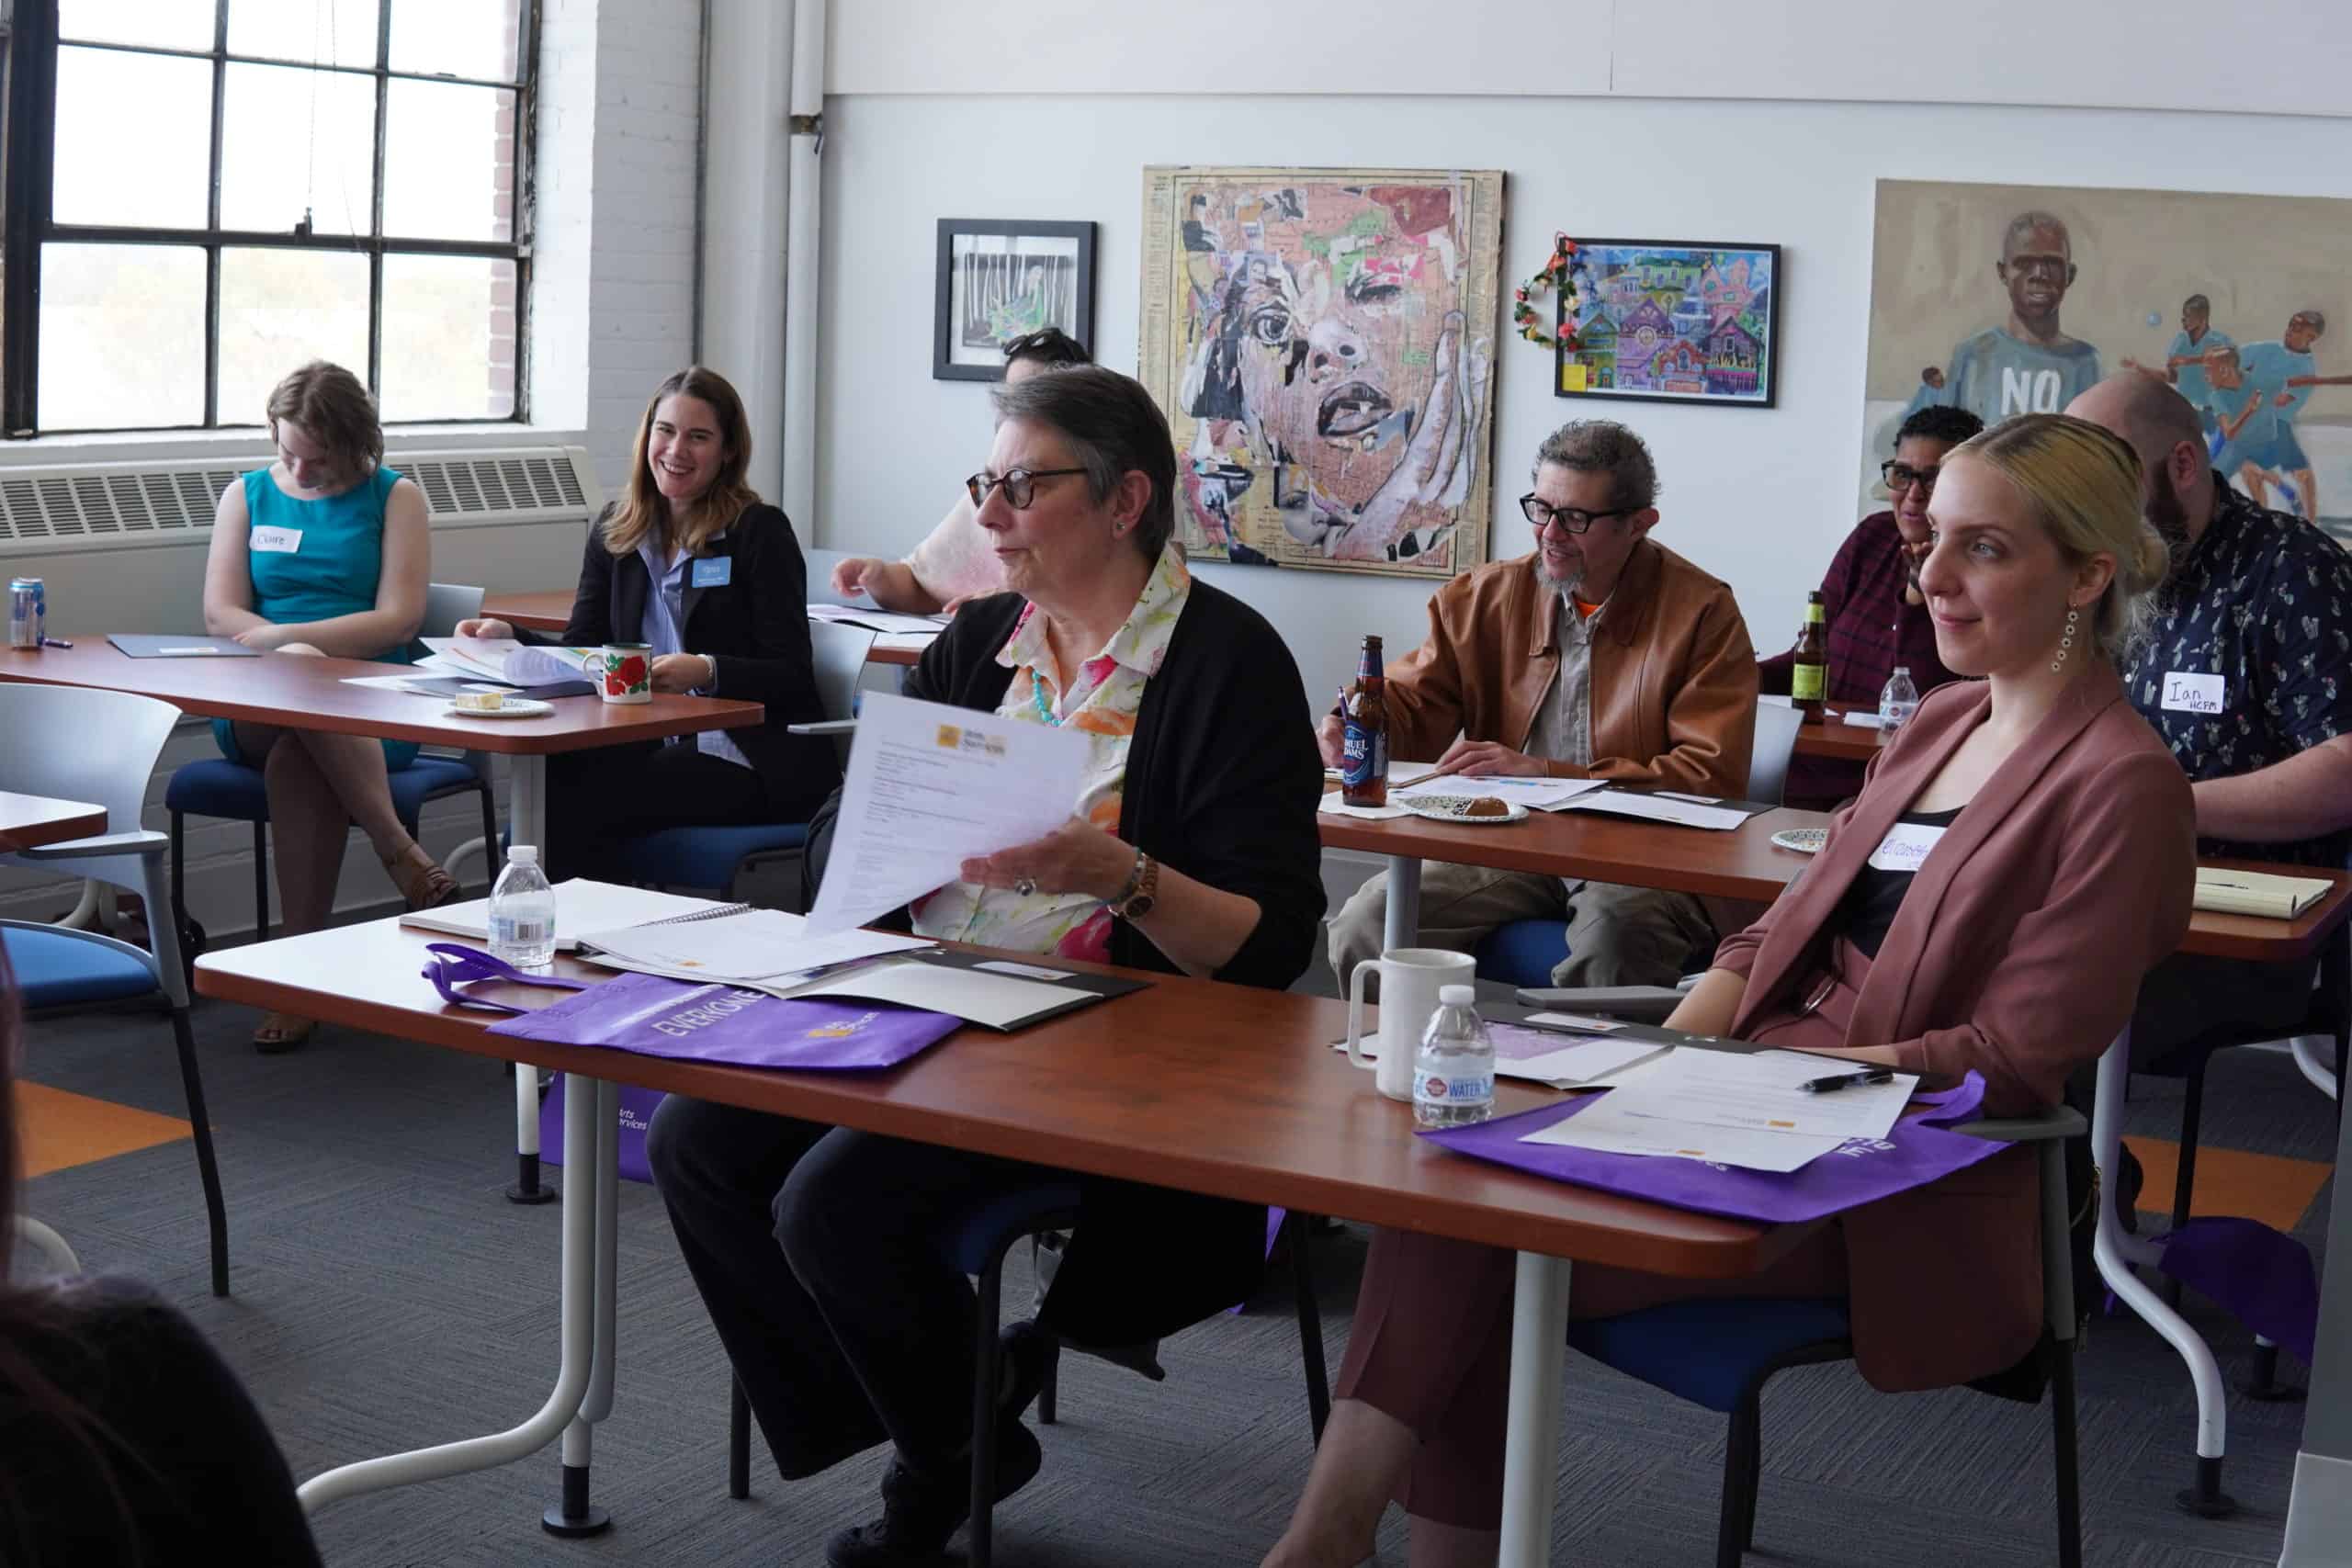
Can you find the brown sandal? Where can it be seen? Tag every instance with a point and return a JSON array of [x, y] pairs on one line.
[[420, 878], [279, 1033]]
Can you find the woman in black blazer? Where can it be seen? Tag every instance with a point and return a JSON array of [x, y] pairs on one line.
[[691, 561]]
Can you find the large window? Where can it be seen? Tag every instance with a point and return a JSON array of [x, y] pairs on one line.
[[204, 194]]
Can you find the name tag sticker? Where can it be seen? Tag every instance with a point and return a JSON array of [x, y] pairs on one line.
[[713, 571], [277, 541], [1904, 847], [2186, 693]]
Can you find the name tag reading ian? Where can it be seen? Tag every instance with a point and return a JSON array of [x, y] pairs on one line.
[[277, 541], [2186, 693], [713, 571], [1905, 847]]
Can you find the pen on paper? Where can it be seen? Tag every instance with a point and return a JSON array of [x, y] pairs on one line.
[[1847, 1080]]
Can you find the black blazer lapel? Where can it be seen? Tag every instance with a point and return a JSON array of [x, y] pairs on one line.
[[631, 584], [719, 547]]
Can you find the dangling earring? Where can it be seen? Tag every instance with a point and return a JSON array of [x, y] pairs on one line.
[[2067, 641]]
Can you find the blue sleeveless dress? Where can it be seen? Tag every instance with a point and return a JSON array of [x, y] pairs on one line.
[[333, 570]]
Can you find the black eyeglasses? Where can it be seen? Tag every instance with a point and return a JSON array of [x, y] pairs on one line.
[[1900, 476], [1020, 485], [1567, 519]]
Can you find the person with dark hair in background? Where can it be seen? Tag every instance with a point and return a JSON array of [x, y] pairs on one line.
[[124, 1438], [954, 562], [692, 563], [1875, 615]]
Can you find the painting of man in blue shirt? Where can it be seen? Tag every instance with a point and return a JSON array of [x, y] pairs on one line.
[[2183, 362], [2028, 365], [2282, 376]]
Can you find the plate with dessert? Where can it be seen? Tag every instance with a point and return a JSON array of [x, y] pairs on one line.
[[1479, 809]]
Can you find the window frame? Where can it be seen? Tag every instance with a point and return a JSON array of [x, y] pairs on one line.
[[31, 40]]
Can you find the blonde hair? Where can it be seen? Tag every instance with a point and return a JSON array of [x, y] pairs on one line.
[[334, 409], [642, 513], [2083, 483]]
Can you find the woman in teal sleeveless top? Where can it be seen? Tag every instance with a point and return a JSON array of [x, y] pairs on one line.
[[326, 551]]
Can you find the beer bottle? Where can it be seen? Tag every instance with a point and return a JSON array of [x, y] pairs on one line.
[[1363, 761], [1809, 668]]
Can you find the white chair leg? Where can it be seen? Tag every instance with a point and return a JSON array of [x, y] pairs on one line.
[[52, 1247], [2307, 1049]]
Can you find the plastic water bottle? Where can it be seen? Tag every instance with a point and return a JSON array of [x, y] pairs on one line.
[[522, 911], [1898, 702], [1453, 1073]]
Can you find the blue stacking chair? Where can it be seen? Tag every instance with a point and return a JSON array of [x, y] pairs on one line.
[[219, 787], [978, 1246], [72, 743], [1720, 1353], [1523, 953], [716, 856]]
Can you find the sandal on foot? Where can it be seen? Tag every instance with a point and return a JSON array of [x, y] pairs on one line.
[[420, 878], [279, 1033]]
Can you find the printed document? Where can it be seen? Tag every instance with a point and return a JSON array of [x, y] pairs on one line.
[[751, 947], [1535, 794], [1656, 808], [1747, 1111], [930, 786]]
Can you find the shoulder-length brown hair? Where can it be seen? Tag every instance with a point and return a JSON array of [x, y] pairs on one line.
[[641, 513], [334, 409]]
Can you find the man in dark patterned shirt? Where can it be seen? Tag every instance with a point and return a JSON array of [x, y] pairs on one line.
[[2248, 678]]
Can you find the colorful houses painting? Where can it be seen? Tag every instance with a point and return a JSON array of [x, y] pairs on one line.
[[1672, 320]]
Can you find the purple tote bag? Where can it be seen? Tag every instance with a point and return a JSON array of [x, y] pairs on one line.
[[652, 1016], [1918, 1151]]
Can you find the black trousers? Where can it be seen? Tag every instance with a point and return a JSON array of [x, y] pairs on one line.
[[619, 792], [820, 1252]]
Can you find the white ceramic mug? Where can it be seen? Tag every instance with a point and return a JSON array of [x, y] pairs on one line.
[[1409, 978]]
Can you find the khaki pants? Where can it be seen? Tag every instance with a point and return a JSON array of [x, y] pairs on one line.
[[1617, 936]]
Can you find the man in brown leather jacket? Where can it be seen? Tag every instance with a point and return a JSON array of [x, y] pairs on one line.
[[1601, 655]]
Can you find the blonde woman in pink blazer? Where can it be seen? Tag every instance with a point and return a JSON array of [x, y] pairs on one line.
[[2019, 856]]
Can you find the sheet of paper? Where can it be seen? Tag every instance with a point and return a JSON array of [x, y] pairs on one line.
[[1860, 718], [1587, 1023], [533, 666], [756, 944], [581, 906], [1608, 1130], [931, 787], [1656, 808], [408, 683], [1565, 1063], [1536, 794], [1764, 1093], [878, 620], [998, 1001]]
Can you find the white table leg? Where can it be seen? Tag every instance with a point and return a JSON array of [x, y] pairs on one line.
[[2115, 1251], [581, 1287], [573, 1515], [1404, 922], [527, 817], [1539, 1329]]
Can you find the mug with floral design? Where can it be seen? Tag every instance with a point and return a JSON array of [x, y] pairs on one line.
[[622, 671]]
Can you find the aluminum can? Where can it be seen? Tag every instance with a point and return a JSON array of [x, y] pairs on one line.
[[27, 612]]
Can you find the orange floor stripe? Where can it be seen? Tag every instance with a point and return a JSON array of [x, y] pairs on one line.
[[60, 1129], [2270, 1188]]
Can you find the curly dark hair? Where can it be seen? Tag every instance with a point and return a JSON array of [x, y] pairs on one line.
[[1937, 423]]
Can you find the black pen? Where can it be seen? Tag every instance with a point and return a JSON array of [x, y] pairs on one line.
[[55, 642], [1843, 1080]]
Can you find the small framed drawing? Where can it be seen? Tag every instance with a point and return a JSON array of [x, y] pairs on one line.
[[999, 280], [1672, 320]]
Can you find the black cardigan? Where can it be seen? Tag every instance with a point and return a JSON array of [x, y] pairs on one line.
[[1224, 778], [754, 627]]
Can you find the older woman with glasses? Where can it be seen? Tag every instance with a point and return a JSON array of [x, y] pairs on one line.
[[1876, 616], [1191, 849]]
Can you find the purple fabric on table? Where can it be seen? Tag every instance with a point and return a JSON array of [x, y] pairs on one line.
[[637, 1106], [652, 1016], [1864, 1170], [2261, 1278]]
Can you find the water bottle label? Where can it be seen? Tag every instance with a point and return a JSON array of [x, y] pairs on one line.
[[520, 931], [1457, 1088]]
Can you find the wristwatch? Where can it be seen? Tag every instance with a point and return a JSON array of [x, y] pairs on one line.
[[1142, 891]]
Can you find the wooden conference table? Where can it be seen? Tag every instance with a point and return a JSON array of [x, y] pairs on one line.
[[302, 692], [551, 611], [1162, 1071], [1744, 864], [1831, 737], [28, 821]]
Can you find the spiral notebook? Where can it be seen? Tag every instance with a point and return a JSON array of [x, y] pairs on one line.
[[581, 906]]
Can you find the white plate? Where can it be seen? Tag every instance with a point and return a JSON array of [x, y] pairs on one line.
[[513, 708], [1435, 808], [1804, 840]]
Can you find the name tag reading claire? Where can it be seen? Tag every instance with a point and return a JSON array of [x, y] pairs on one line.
[[712, 571], [2186, 693], [276, 541], [1904, 847]]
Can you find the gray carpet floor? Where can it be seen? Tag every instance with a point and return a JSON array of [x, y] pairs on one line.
[[387, 1297]]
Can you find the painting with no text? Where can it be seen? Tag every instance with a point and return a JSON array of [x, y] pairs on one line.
[[1322, 342], [2011, 299], [998, 281], [1671, 321]]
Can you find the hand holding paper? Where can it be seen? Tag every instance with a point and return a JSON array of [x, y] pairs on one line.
[[929, 787]]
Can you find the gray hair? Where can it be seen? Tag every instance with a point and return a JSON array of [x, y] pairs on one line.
[[1113, 429], [1604, 446]]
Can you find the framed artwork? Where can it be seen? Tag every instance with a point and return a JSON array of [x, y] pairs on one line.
[[1322, 342], [2006, 300], [1672, 321], [1000, 280]]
